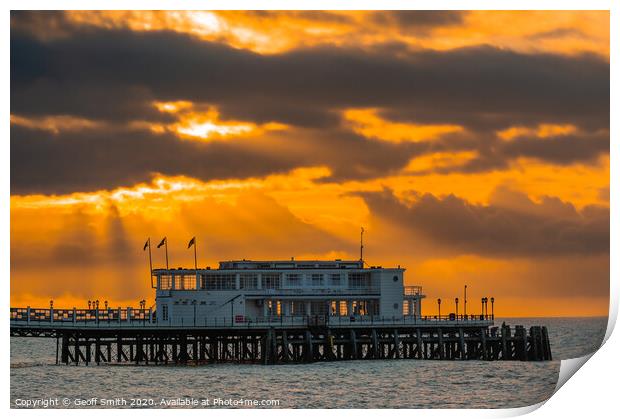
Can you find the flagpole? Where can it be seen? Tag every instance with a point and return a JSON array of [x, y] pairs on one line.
[[166, 244], [195, 258], [150, 262]]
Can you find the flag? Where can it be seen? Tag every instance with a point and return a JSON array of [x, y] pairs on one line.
[[146, 245], [163, 241], [192, 242]]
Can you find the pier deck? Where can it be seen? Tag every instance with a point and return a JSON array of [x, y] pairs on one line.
[[137, 339]]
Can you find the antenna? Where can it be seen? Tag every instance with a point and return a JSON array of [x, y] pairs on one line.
[[362, 245]]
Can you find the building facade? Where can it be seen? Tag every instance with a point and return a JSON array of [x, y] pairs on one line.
[[270, 291]]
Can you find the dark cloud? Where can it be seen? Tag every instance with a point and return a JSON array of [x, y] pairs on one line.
[[43, 162], [558, 33], [113, 76], [418, 21], [43, 24], [481, 83], [524, 228], [309, 15], [495, 153], [561, 150]]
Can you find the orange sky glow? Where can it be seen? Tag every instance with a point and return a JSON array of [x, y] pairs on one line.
[[512, 201]]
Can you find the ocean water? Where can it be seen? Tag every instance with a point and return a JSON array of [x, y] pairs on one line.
[[346, 384]]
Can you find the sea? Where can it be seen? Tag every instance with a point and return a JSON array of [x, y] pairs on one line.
[[37, 382]]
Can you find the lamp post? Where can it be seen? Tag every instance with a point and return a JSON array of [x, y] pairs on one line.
[[465, 303], [456, 301], [439, 308], [492, 310], [482, 307]]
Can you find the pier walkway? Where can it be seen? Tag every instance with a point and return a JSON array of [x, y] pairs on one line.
[[133, 336]]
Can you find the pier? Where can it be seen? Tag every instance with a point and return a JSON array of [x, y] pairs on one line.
[[133, 336], [278, 311]]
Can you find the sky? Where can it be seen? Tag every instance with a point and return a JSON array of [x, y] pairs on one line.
[[472, 146]]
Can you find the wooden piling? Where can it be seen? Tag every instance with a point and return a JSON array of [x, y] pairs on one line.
[[353, 344], [311, 344], [483, 343]]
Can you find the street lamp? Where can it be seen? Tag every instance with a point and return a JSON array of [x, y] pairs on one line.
[[439, 305], [492, 310], [456, 301], [482, 307], [465, 303]]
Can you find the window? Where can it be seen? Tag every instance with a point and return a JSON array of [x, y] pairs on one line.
[[165, 282], [336, 279], [359, 280], [186, 282], [217, 281], [395, 279], [293, 280], [317, 279], [271, 281], [164, 312], [248, 281]]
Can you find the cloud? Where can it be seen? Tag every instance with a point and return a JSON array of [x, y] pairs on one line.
[[43, 162], [493, 85], [502, 228], [113, 77], [418, 21]]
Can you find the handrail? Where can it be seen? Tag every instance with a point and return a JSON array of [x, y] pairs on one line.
[[412, 290], [145, 317]]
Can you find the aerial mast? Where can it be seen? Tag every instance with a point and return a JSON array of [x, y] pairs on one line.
[[362, 246]]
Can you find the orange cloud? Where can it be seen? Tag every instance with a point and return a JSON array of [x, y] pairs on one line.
[[55, 124], [542, 131], [440, 160], [567, 32], [368, 123], [204, 124]]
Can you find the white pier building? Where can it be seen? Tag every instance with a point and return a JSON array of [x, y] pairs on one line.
[[247, 291]]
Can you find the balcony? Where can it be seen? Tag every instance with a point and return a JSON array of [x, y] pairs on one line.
[[413, 290]]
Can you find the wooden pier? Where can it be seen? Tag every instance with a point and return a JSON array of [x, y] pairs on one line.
[[148, 343]]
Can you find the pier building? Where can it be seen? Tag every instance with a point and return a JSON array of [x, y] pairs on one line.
[[247, 291]]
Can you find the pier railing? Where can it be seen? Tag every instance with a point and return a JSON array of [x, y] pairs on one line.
[[131, 317], [75, 315]]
